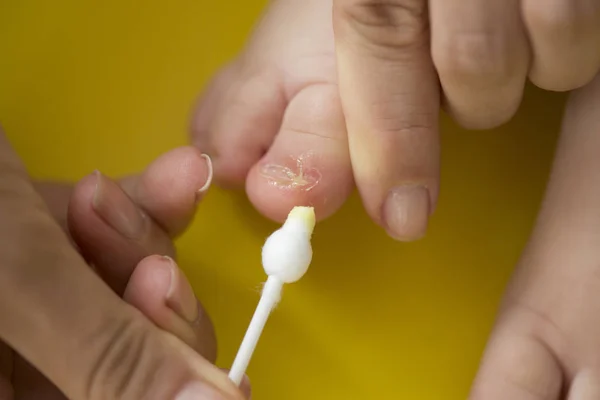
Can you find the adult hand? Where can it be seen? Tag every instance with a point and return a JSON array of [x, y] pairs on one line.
[[67, 323], [389, 57]]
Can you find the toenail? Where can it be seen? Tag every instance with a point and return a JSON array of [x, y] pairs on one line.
[[296, 175]]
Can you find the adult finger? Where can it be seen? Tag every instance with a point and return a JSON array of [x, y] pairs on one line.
[[390, 99], [171, 187], [116, 226], [100, 347], [168, 190], [160, 290], [112, 232], [565, 37], [481, 53]]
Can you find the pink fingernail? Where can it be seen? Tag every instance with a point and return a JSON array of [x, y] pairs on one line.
[[406, 212]]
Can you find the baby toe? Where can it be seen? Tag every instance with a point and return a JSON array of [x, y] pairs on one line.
[[308, 163]]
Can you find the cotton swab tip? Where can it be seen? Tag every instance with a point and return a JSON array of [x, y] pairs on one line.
[[287, 253]]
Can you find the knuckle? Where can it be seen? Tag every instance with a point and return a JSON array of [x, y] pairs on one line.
[[123, 367], [473, 55], [383, 25], [386, 120]]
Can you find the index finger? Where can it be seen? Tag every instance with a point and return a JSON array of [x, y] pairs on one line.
[[390, 97]]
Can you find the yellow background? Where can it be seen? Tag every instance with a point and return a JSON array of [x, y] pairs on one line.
[[110, 84]]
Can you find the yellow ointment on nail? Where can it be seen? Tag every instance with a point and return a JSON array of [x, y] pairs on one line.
[[284, 177], [305, 215]]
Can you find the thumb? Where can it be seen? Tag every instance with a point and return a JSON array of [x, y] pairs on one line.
[[67, 323]]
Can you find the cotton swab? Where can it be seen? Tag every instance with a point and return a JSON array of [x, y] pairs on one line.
[[286, 256]]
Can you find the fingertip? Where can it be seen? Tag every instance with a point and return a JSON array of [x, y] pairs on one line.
[[564, 37], [486, 117], [171, 187], [160, 290], [149, 284]]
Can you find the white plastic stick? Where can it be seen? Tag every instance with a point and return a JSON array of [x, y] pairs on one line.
[[286, 256], [270, 297]]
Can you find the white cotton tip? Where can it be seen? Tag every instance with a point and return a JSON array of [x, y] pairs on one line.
[[287, 253]]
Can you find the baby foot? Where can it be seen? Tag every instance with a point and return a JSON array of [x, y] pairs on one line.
[[545, 344], [273, 120]]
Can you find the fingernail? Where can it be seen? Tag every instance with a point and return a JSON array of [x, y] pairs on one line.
[[406, 212], [117, 209], [180, 296], [199, 391], [209, 175]]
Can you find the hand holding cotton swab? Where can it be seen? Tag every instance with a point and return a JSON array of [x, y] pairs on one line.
[[286, 256]]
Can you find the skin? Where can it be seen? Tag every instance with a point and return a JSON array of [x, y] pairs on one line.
[[544, 343], [143, 301], [359, 85], [365, 114]]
